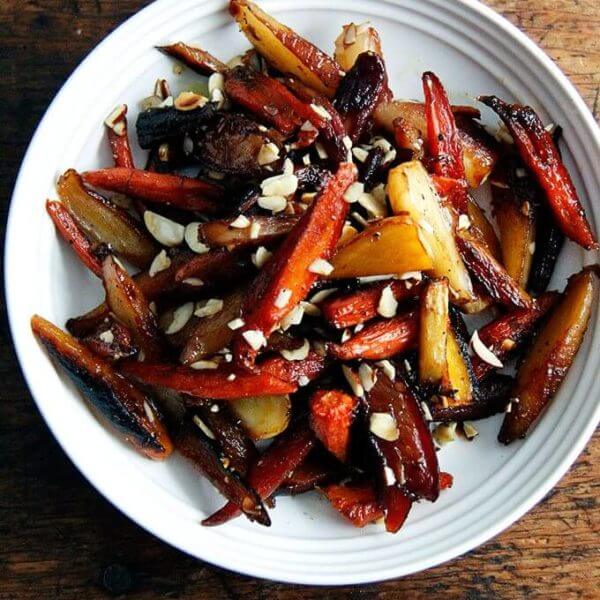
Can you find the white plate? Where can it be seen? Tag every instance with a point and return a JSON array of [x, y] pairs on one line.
[[474, 51]]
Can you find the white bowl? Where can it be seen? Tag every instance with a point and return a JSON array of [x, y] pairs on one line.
[[474, 51]]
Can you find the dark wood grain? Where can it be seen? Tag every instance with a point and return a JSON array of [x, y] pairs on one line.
[[60, 539]]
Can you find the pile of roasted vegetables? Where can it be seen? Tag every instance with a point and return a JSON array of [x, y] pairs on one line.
[[307, 280]]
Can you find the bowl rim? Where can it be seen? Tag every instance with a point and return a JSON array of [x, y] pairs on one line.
[[519, 39]]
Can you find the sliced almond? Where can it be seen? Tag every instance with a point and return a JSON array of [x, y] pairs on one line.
[[387, 303], [294, 317], [387, 368], [275, 204], [200, 365], [367, 376], [181, 316], [374, 208], [160, 263], [216, 82], [268, 154], [384, 426], [240, 222], [165, 231], [321, 267], [208, 308], [353, 381], [321, 111], [463, 222], [255, 338], [236, 324], [354, 192], [203, 427], [191, 239], [116, 120], [261, 256], [469, 430], [484, 352], [444, 433], [283, 298], [279, 185], [360, 154]]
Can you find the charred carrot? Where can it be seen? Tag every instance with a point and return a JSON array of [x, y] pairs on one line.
[[231, 438], [217, 384], [492, 275], [272, 101], [127, 302], [118, 138], [104, 222], [286, 279], [179, 191], [193, 443], [444, 145], [123, 405], [332, 413], [380, 339], [507, 333], [539, 153], [70, 232], [347, 310], [551, 355], [268, 473], [195, 58], [401, 439], [359, 93]]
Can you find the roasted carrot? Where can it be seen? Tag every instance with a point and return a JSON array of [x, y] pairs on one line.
[[104, 222], [380, 339], [506, 334], [121, 404], [285, 50], [128, 303], [270, 229], [195, 58], [316, 469], [67, 227], [268, 473], [212, 268], [352, 308], [294, 371], [179, 191], [294, 267], [118, 138], [444, 144], [234, 443], [219, 384], [490, 273], [193, 443], [268, 98], [332, 413], [539, 153], [356, 502], [401, 439], [551, 355], [359, 92]]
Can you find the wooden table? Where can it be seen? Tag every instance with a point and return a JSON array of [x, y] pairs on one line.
[[60, 539]]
